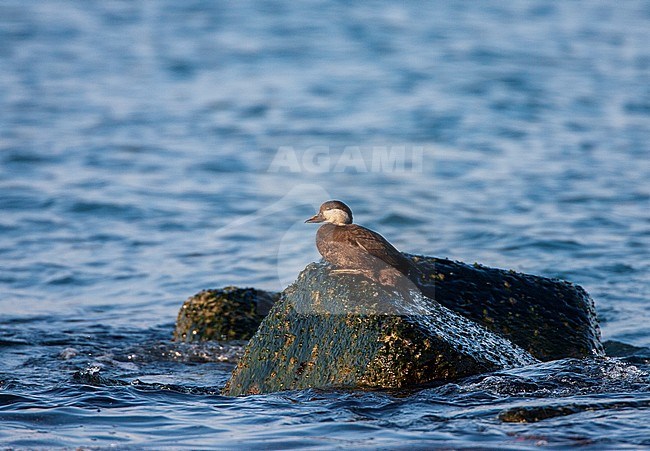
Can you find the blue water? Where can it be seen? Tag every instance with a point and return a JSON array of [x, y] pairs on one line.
[[149, 150]]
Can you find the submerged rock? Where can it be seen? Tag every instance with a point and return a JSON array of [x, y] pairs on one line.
[[227, 314], [552, 319], [341, 330], [533, 414]]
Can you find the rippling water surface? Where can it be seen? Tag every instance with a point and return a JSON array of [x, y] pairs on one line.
[[149, 150]]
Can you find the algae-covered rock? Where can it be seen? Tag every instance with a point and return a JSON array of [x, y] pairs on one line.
[[227, 314], [551, 319], [341, 330]]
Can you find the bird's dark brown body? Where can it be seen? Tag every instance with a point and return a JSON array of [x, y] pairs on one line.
[[352, 246]]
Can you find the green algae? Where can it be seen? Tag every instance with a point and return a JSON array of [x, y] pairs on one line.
[[230, 313]]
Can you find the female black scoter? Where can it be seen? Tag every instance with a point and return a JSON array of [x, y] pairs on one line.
[[354, 248]]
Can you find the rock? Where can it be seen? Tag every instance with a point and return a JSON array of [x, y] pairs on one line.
[[533, 414], [342, 330], [227, 314], [552, 319]]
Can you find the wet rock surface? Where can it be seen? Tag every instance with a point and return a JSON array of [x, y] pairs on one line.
[[551, 319], [230, 313], [335, 329], [341, 330], [533, 414]]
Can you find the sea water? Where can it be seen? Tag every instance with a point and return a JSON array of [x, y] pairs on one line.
[[149, 150]]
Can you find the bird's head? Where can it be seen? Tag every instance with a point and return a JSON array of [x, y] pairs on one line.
[[334, 212]]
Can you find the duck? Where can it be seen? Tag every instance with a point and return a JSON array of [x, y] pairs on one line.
[[353, 248]]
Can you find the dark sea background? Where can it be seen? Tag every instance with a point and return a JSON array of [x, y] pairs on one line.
[[149, 150]]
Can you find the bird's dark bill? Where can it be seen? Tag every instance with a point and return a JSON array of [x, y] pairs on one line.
[[316, 218]]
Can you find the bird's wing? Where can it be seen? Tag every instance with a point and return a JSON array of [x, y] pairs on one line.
[[377, 246]]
